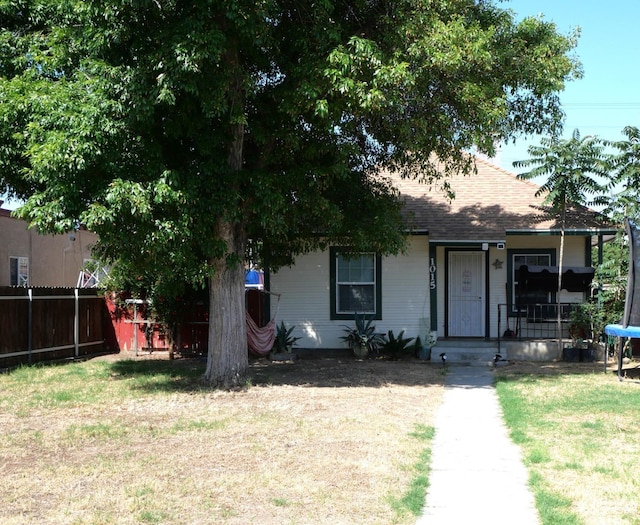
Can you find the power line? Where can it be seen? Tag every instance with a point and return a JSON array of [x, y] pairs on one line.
[[602, 105]]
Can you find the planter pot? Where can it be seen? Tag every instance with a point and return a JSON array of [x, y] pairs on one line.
[[587, 355], [424, 353], [360, 351], [571, 354]]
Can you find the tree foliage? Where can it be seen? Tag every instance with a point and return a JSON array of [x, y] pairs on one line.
[[625, 171], [179, 130], [575, 169], [624, 201]]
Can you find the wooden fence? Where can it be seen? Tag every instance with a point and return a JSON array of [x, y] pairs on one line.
[[45, 324]]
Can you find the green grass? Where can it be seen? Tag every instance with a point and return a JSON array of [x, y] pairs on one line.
[[88, 383], [578, 433], [188, 426], [552, 507], [412, 500]]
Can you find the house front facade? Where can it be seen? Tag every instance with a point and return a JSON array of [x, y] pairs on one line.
[[466, 275]]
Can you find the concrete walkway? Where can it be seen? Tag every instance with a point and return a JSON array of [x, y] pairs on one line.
[[477, 475]]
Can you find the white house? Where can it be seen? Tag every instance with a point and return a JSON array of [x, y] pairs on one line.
[[463, 275]]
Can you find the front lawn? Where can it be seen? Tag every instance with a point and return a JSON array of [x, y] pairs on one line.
[[579, 431], [122, 441]]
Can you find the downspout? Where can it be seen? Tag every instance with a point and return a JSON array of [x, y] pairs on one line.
[[30, 322], [76, 324]]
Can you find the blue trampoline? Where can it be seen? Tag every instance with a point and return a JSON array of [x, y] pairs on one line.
[[630, 324]]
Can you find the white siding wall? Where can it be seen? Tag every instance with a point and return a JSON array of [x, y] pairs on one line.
[[305, 296], [305, 293], [497, 290]]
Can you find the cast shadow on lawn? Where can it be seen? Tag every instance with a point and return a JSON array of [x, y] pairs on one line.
[[185, 375]]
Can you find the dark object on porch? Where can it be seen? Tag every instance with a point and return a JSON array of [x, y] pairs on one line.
[[573, 354], [630, 324], [545, 278], [587, 355]]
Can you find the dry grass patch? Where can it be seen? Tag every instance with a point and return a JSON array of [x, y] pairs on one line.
[[316, 441]]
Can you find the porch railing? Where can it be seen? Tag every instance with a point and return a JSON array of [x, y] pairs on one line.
[[534, 321]]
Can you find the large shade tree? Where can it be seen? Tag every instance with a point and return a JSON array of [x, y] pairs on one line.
[[179, 130]]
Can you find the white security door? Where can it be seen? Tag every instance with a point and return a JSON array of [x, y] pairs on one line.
[[466, 294]]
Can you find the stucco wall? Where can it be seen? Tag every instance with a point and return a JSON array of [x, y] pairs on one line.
[[54, 260]]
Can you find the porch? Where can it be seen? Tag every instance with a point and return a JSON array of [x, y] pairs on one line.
[[528, 335], [483, 351]]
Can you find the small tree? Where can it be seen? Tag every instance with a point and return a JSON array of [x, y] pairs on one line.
[[625, 166], [611, 275], [574, 169]]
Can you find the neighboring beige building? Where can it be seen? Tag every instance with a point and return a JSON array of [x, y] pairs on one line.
[[28, 258]]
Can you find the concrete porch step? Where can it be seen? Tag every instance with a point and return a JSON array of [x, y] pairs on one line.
[[465, 351]]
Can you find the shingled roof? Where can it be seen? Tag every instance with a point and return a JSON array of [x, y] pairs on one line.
[[487, 205]]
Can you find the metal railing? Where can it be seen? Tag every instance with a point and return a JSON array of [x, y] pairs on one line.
[[533, 321]]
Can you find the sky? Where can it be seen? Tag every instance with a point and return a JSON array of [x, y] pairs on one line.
[[607, 98]]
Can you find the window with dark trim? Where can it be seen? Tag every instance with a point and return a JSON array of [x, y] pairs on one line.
[[19, 271], [519, 296], [355, 284]]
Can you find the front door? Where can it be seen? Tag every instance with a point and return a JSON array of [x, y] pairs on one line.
[[466, 296]]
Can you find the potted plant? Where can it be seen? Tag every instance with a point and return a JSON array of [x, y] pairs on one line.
[[579, 330], [595, 316], [284, 343], [396, 346], [362, 338]]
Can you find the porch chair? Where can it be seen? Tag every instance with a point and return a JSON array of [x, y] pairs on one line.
[[630, 324]]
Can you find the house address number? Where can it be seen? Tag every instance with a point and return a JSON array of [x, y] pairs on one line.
[[432, 274]]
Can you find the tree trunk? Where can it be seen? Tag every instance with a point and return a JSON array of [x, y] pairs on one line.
[[228, 356], [560, 267], [228, 359]]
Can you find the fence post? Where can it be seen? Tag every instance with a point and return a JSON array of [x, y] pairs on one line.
[[76, 324], [30, 322]]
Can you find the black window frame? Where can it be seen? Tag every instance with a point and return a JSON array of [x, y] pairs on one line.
[[511, 278]]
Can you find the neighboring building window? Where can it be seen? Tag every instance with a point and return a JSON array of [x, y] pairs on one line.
[[519, 296], [19, 271], [355, 284]]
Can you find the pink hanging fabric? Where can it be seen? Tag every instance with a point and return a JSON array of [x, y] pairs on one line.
[[260, 340]]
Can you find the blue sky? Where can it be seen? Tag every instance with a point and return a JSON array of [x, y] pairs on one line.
[[607, 98]]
